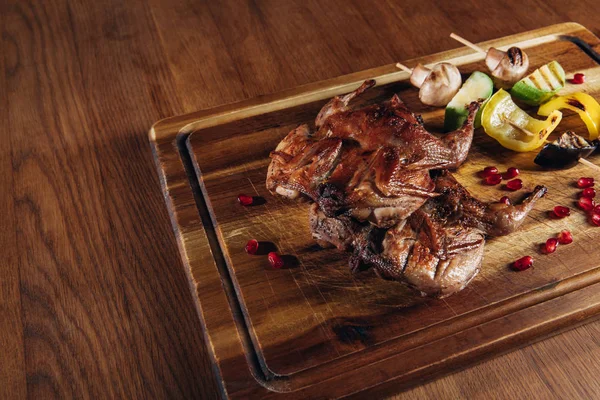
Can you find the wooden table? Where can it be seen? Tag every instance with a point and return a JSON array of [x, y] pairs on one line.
[[94, 301]]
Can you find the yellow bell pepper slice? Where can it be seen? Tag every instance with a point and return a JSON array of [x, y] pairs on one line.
[[583, 104], [512, 127]]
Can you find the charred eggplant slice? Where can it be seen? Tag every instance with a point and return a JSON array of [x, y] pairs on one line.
[[565, 151]]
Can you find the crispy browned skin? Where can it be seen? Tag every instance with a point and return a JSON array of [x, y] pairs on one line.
[[381, 189], [372, 163], [439, 248]]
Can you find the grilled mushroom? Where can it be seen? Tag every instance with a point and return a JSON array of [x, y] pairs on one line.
[[438, 85], [507, 67]]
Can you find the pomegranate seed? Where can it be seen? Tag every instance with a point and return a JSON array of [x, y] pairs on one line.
[[505, 200], [523, 263], [596, 209], [245, 200], [493, 179], [510, 173], [561, 211], [588, 192], [595, 219], [515, 184], [275, 260], [585, 183], [550, 246], [586, 204], [487, 171], [565, 237], [578, 79], [252, 246]]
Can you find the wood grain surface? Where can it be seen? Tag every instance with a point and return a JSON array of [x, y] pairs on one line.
[[94, 301]]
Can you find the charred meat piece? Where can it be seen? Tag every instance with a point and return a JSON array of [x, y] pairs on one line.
[[438, 249], [372, 163]]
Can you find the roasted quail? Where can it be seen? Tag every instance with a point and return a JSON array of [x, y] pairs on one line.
[[438, 249], [381, 190], [372, 163]]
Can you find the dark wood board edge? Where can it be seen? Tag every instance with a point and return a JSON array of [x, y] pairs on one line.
[[256, 360], [207, 288], [179, 200], [168, 167]]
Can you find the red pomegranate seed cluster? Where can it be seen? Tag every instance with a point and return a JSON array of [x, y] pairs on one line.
[[253, 245], [492, 177], [523, 263], [275, 259], [586, 199], [578, 79], [586, 202], [564, 237]]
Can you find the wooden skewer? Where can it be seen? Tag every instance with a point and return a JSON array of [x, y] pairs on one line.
[[404, 68], [467, 43], [589, 164], [525, 131]]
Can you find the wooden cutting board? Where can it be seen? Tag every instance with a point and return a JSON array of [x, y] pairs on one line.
[[312, 329]]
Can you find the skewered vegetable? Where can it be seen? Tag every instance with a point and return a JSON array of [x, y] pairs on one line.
[[506, 67], [438, 85], [512, 127], [539, 86], [478, 86], [583, 104], [565, 151]]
